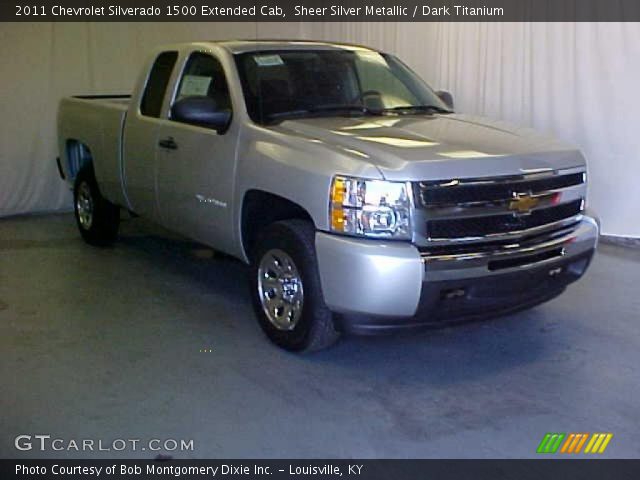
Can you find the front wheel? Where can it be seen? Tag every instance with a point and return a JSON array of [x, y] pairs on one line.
[[98, 219], [286, 291]]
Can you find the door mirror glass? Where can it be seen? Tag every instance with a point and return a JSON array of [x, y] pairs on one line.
[[201, 111], [446, 97]]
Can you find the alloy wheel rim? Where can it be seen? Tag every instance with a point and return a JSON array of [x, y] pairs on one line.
[[84, 206], [280, 289]]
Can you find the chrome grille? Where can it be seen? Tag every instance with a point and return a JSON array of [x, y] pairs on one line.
[[459, 192], [490, 209], [497, 224]]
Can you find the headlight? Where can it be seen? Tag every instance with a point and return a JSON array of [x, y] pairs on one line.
[[371, 208]]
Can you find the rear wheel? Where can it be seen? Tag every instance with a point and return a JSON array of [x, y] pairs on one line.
[[98, 219], [286, 291]]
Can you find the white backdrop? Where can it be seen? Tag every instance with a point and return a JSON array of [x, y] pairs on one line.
[[579, 82], [42, 62]]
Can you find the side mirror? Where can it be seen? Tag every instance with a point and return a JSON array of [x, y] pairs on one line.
[[201, 111], [446, 97]]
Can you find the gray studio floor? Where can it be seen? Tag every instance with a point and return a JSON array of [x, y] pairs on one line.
[[106, 344]]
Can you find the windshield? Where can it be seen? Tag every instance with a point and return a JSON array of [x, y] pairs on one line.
[[306, 83]]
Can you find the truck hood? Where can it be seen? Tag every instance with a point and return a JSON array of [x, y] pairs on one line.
[[434, 147]]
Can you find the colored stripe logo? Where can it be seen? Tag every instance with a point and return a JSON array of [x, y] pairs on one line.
[[598, 443], [574, 442], [550, 442]]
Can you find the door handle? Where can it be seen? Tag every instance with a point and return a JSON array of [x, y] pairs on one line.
[[169, 143]]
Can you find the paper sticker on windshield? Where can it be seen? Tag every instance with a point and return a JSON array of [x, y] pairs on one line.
[[194, 85], [268, 60]]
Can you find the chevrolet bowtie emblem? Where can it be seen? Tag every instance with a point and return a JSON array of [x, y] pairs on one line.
[[523, 202]]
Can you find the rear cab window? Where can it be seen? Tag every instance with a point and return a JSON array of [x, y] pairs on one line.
[[155, 89]]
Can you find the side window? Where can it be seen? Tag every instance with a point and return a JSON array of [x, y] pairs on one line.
[[203, 76], [154, 91]]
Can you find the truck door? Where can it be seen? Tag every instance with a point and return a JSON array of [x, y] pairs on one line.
[[195, 164], [141, 137]]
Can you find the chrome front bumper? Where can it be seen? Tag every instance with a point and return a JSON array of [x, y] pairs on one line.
[[397, 281]]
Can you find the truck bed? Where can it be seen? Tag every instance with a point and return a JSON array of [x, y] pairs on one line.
[[118, 99], [95, 121]]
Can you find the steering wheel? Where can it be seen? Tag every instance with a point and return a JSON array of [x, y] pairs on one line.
[[367, 93]]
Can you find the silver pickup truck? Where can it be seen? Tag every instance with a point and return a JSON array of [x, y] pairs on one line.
[[359, 199]]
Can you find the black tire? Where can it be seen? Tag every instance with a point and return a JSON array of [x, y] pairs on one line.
[[314, 329], [102, 229]]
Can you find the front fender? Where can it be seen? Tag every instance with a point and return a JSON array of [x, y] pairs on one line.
[[297, 169]]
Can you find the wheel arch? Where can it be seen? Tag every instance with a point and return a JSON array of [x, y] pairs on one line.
[[260, 209], [77, 156]]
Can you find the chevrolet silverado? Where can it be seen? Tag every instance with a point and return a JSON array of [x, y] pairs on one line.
[[361, 201]]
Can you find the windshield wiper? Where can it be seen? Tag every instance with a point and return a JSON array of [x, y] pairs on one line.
[[320, 110], [344, 108], [418, 108], [290, 113]]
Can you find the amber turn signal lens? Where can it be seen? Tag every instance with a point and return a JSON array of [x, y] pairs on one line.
[[337, 219], [337, 191], [337, 201]]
